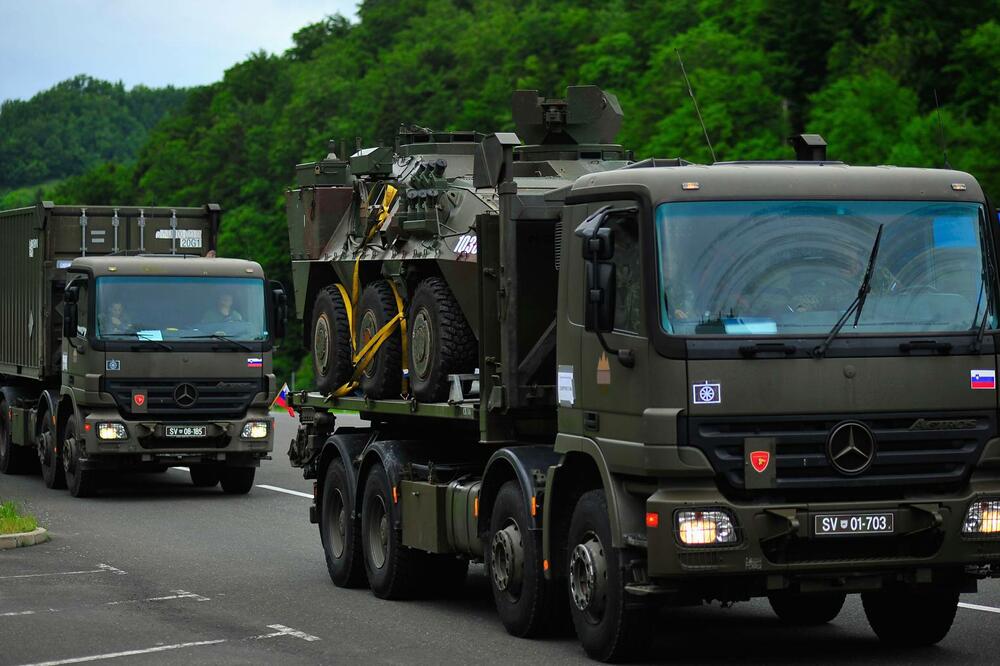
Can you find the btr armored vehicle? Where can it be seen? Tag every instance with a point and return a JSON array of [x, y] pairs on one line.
[[625, 385], [126, 345]]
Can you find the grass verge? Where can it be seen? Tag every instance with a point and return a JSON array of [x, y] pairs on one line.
[[14, 522]]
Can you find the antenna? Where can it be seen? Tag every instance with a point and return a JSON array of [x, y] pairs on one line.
[[696, 109], [944, 142]]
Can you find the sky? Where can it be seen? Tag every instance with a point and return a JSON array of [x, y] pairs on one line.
[[169, 42]]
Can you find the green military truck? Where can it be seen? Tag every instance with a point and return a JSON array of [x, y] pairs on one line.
[[689, 382], [126, 345]]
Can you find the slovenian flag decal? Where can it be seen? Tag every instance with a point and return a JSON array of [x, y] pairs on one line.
[[984, 379], [255, 362], [282, 400]]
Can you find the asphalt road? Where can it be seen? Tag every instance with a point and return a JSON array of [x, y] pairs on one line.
[[155, 571]]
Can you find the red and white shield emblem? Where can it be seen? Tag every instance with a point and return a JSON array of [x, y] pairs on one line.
[[759, 460], [139, 399]]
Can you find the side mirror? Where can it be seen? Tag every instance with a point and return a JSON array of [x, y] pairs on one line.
[[280, 300], [70, 318], [600, 312]]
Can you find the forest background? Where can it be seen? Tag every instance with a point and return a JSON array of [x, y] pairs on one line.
[[863, 73]]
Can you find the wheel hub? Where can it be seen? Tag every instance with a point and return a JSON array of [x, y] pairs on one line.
[[338, 536], [507, 562], [367, 331], [378, 533], [321, 343], [69, 455], [588, 579], [421, 343]]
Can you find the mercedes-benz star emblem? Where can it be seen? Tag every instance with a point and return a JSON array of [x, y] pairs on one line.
[[185, 395], [851, 447]]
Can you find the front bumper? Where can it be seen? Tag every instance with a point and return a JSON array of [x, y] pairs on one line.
[[777, 541]]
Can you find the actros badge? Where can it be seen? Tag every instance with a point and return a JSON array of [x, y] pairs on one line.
[[706, 394]]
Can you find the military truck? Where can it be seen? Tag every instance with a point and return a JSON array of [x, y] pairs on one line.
[[126, 345], [689, 382]]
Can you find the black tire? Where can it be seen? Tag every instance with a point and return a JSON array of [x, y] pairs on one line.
[[205, 476], [382, 377], [607, 627], [48, 455], [806, 610], [514, 566], [81, 482], [441, 342], [13, 459], [331, 340], [339, 529], [237, 480], [911, 618], [393, 570]]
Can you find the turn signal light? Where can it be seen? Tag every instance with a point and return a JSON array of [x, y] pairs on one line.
[[705, 528], [652, 519], [983, 517]]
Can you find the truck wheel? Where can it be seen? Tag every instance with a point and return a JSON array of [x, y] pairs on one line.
[[205, 476], [441, 342], [393, 569], [513, 565], [608, 629], [911, 618], [48, 455], [338, 529], [381, 378], [331, 341], [237, 480], [806, 610], [13, 459], [81, 482]]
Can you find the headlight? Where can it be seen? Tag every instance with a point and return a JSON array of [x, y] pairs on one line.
[[254, 430], [983, 517], [111, 431], [705, 528]]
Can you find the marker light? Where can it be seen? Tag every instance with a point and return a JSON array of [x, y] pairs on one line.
[[652, 519], [111, 431], [983, 517], [254, 430], [705, 528]]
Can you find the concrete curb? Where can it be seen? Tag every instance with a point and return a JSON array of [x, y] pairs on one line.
[[41, 535]]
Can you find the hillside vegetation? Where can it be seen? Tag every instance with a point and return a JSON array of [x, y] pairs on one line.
[[862, 73]]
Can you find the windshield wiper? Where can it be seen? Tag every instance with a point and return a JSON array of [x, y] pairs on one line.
[[218, 336], [139, 336], [987, 284], [859, 301]]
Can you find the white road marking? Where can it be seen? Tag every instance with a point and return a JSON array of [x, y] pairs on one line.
[[282, 630], [285, 490], [101, 568], [129, 653], [183, 469], [16, 613], [987, 609], [176, 594]]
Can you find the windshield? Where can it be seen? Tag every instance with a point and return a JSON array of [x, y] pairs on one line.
[[794, 267], [178, 308]]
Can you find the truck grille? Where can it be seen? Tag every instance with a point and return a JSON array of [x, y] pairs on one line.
[[912, 449], [216, 398]]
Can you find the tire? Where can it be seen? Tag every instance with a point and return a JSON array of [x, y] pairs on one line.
[[48, 455], [13, 459], [608, 629], [81, 482], [806, 610], [382, 377], [205, 476], [911, 618], [514, 566], [441, 342], [339, 529], [393, 569], [237, 480], [331, 340]]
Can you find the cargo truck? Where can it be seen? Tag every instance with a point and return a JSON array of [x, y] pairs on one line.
[[126, 345], [687, 382]]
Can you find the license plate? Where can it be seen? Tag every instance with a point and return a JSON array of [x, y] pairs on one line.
[[853, 524], [186, 431]]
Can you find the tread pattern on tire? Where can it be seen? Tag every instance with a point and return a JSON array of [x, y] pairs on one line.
[[356, 566], [339, 365], [386, 368], [457, 349]]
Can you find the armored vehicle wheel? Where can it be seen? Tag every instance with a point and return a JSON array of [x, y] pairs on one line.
[[331, 341], [81, 482], [13, 459], [338, 529], [205, 476], [513, 565], [48, 455], [393, 569], [237, 480], [381, 379], [608, 629], [441, 342], [911, 618], [806, 610]]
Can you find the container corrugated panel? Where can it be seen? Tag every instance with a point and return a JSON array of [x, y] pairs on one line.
[[22, 280]]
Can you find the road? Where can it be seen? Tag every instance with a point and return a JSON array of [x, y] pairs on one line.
[[156, 571]]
